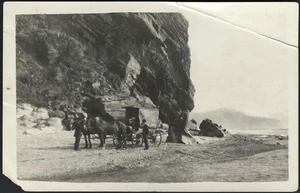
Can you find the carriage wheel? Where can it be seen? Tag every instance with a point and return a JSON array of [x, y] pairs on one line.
[[129, 140], [138, 141], [116, 141], [155, 139]]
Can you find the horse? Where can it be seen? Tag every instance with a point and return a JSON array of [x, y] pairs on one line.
[[79, 125], [111, 127], [100, 127]]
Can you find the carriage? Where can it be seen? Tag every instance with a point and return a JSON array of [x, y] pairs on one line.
[[136, 140], [134, 135], [139, 113]]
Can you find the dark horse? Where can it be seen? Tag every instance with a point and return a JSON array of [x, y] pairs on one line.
[[111, 127], [102, 128], [79, 125]]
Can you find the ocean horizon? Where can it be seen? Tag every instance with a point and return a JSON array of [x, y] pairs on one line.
[[261, 131]]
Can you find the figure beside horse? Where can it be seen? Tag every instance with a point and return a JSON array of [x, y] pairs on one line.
[[100, 126]]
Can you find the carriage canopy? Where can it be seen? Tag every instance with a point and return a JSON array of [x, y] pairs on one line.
[[150, 114]]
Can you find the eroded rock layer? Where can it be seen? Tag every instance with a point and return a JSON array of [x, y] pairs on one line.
[[116, 57]]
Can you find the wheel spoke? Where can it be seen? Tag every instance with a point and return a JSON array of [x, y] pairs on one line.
[[155, 139]]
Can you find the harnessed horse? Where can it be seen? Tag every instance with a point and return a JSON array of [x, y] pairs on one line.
[[100, 127]]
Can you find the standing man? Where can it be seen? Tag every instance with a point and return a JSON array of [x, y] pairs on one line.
[[77, 126], [145, 133]]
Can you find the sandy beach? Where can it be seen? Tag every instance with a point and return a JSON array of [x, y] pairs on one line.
[[235, 158]]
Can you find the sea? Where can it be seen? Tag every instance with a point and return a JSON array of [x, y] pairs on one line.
[[261, 131]]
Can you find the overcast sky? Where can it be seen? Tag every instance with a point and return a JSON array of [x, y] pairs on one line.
[[236, 68]]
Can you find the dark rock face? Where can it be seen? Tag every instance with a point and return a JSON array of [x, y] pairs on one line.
[[95, 107], [68, 57], [175, 131], [210, 129]]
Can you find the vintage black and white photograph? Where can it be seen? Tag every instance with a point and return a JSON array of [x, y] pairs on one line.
[[197, 94]]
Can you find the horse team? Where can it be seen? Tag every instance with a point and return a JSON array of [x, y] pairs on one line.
[[99, 126]]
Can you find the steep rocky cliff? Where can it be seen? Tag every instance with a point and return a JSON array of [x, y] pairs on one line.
[[116, 56]]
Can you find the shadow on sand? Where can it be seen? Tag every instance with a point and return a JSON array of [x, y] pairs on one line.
[[71, 147]]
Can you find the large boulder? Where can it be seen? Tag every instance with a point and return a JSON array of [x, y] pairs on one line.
[[28, 116], [177, 128], [24, 109], [57, 114], [189, 140], [210, 129], [51, 125], [56, 123], [96, 108], [192, 125], [36, 120], [40, 113]]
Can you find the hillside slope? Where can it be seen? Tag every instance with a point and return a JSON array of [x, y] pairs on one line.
[[232, 119]]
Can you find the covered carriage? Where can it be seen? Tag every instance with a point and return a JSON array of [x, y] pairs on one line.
[[124, 113], [151, 115]]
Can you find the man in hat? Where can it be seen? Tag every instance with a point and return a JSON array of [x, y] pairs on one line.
[[78, 124], [145, 133]]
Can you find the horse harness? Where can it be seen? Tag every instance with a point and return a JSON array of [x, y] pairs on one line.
[[90, 124]]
